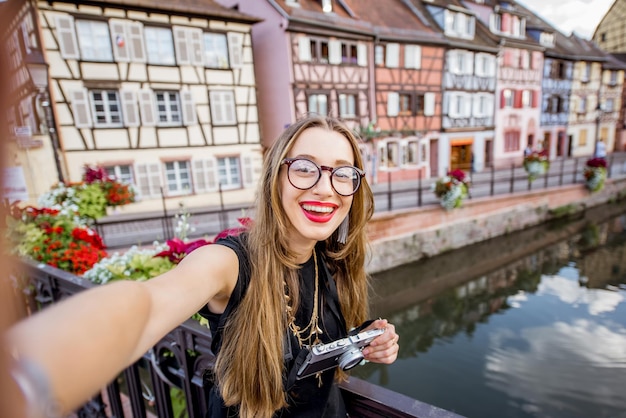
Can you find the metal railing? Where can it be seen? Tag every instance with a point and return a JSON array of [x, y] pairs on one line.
[[388, 196], [170, 377]]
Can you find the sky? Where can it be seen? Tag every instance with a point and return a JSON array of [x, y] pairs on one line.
[[581, 16]]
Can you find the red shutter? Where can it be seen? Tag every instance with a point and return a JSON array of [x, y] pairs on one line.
[[502, 100], [517, 99], [535, 94]]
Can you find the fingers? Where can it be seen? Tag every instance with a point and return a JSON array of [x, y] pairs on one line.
[[384, 348]]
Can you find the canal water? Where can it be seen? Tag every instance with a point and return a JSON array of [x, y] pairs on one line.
[[532, 324]]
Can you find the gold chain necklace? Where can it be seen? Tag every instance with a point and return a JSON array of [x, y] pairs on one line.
[[313, 327]]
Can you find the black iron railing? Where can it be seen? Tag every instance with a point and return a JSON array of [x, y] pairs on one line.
[[387, 196], [170, 378]]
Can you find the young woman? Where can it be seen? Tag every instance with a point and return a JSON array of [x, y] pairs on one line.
[[295, 278]]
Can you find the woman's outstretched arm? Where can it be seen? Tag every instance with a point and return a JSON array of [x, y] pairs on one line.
[[82, 343]]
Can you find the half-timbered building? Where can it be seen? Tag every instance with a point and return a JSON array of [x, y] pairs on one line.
[[611, 89], [313, 58], [585, 102], [408, 63], [556, 85], [520, 69], [469, 84], [28, 137], [163, 95]]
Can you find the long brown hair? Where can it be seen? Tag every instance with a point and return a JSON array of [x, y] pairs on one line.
[[250, 365]]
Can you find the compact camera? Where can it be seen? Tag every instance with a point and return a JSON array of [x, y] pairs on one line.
[[345, 353]]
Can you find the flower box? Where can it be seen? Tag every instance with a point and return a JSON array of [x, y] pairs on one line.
[[536, 164], [595, 174], [451, 189]]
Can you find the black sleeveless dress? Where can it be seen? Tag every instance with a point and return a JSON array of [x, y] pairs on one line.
[[305, 397]]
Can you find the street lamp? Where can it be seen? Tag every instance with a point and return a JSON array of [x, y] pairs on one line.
[[598, 116], [38, 71]]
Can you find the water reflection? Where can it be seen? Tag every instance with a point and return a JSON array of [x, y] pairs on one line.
[[538, 330]]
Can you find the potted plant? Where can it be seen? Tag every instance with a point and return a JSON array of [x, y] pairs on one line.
[[536, 164], [595, 174], [452, 189]]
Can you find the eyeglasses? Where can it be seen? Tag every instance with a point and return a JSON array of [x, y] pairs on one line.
[[303, 174]]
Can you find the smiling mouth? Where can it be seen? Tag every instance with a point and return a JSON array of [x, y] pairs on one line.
[[318, 213]]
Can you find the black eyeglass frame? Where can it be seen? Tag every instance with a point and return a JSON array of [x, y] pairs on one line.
[[320, 168]]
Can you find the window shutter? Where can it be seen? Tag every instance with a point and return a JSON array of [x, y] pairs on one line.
[[467, 104], [517, 99], [393, 103], [129, 108], [189, 109], [80, 107], [197, 47], [334, 51], [149, 180], [146, 107], [449, 21], [235, 49], [476, 106], [429, 104], [136, 42], [68, 44], [535, 98], [361, 50], [492, 66], [205, 176], [393, 55], [121, 42], [251, 165], [468, 63], [502, 99], [304, 48], [180, 41], [412, 56]]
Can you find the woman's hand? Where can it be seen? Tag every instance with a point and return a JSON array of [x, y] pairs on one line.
[[384, 348]]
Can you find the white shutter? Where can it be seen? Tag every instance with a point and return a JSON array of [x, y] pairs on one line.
[[194, 36], [361, 50], [235, 49], [304, 48], [393, 56], [467, 103], [121, 42], [334, 51], [476, 106], [68, 44], [146, 107], [180, 43], [205, 175], [149, 180], [412, 56], [393, 103], [468, 63], [129, 108], [449, 21], [429, 104], [136, 42], [189, 109], [251, 165], [80, 108]]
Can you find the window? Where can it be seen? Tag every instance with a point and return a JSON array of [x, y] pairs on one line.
[[223, 108], [379, 55], [558, 70], [149, 180], [507, 98], [483, 105], [609, 105], [524, 59], [26, 114], [327, 6], [484, 65], [526, 98], [347, 105], [461, 62], [613, 78], [168, 108], [349, 53], [123, 173], [94, 40], [555, 104], [410, 155], [405, 104], [159, 46], [215, 50], [546, 39], [389, 154], [459, 24], [392, 55], [318, 103], [319, 51], [582, 105], [460, 105], [106, 108], [511, 141], [228, 172], [178, 179]]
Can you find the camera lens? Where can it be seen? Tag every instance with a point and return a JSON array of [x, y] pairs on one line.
[[350, 359]]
